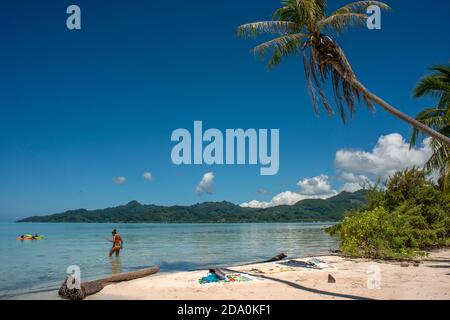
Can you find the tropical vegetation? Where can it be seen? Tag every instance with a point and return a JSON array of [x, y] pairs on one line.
[[406, 216], [436, 85]]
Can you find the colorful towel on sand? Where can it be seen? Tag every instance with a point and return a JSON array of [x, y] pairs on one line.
[[210, 278], [237, 277], [232, 277]]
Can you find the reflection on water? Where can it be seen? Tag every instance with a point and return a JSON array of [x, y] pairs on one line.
[[116, 265], [174, 247]]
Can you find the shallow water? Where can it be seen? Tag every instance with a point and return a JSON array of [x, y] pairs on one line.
[[28, 266]]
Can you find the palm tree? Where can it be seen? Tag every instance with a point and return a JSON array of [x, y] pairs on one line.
[[301, 26], [436, 85]]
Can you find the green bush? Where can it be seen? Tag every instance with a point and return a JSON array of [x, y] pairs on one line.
[[401, 220]]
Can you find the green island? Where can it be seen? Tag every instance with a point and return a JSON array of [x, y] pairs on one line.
[[309, 210]]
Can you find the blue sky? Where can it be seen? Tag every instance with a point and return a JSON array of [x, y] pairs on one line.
[[80, 108]]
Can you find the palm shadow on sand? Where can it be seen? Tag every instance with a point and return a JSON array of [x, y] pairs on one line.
[[300, 287]]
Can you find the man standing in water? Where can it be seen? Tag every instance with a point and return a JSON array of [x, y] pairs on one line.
[[117, 243]]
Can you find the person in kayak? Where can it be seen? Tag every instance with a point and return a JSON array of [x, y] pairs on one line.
[[117, 243], [29, 237]]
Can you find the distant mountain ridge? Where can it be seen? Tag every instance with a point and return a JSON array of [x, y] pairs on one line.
[[331, 209]]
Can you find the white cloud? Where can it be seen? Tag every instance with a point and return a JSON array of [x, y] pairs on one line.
[[310, 188], [390, 154], [283, 198], [120, 180], [352, 186], [206, 184], [355, 168], [147, 176], [315, 186], [353, 182]]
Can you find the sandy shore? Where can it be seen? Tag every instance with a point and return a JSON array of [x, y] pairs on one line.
[[428, 280]]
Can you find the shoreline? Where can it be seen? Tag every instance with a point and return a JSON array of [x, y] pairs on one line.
[[175, 223], [281, 280], [52, 290], [429, 280]]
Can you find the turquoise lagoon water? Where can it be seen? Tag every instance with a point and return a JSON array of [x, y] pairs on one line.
[[33, 266]]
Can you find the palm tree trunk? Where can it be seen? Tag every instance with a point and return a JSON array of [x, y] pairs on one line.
[[91, 287], [413, 122], [353, 80]]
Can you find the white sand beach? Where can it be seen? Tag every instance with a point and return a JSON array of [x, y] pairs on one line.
[[430, 279]]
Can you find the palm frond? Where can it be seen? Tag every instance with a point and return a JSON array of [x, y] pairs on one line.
[[319, 76], [443, 70], [340, 21], [275, 59], [305, 13], [440, 159], [437, 85], [272, 27], [435, 118], [361, 7], [315, 9], [311, 89], [432, 86], [351, 15], [350, 77], [287, 44], [291, 12], [327, 60]]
